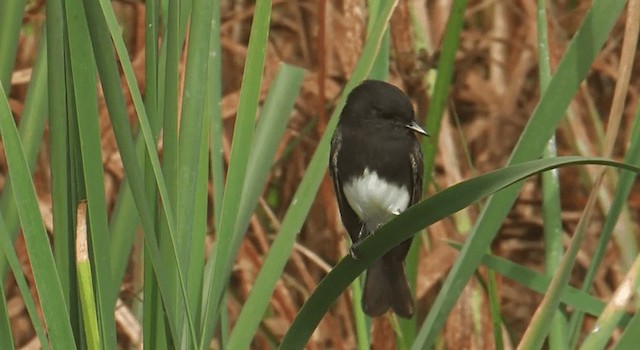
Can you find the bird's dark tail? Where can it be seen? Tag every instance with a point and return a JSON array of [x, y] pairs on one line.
[[386, 287]]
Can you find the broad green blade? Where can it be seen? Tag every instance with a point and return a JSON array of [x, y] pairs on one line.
[[631, 336], [412, 220], [219, 267], [151, 243], [86, 107], [538, 282], [5, 326], [572, 69], [10, 25], [6, 245], [271, 125], [37, 241], [32, 123]]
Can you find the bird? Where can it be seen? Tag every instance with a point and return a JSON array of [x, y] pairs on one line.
[[376, 165]]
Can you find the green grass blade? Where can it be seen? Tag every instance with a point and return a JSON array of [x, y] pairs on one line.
[[191, 125], [31, 129], [494, 309], [124, 218], [623, 189], [540, 324], [151, 62], [218, 270], [192, 170], [89, 313], [152, 313], [215, 135], [361, 320], [84, 88], [6, 245], [551, 210], [615, 310], [539, 283], [73, 192], [138, 188], [380, 68], [123, 223], [271, 125], [630, 338], [5, 326], [438, 102], [58, 156], [571, 71], [412, 220], [197, 254], [303, 198], [139, 196], [44, 269], [170, 82], [10, 25], [192, 165], [85, 280]]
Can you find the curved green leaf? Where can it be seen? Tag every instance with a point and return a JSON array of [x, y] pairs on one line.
[[269, 130], [36, 239], [218, 270], [412, 220]]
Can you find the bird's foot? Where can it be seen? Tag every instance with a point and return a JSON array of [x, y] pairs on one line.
[[364, 233], [353, 251]]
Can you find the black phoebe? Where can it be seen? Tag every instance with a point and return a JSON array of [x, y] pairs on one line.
[[376, 165]]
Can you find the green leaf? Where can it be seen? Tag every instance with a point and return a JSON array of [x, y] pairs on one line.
[[139, 196], [615, 310], [36, 239], [218, 269], [6, 245], [10, 25], [572, 69], [5, 326], [85, 280], [412, 220], [271, 125], [31, 129], [631, 336], [438, 101], [624, 186], [538, 282], [85, 103]]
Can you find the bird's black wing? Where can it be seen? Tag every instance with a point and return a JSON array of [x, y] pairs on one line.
[[399, 253], [350, 219]]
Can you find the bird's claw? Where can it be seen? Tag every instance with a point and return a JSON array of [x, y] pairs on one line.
[[353, 251]]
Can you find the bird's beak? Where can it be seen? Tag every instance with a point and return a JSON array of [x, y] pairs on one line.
[[417, 128]]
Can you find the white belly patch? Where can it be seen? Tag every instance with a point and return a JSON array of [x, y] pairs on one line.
[[374, 200]]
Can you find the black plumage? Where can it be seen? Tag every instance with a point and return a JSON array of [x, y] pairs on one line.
[[376, 166]]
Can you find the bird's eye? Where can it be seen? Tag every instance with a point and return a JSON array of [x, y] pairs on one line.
[[391, 116], [385, 114]]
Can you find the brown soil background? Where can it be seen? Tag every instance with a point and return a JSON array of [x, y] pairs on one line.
[[494, 91]]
